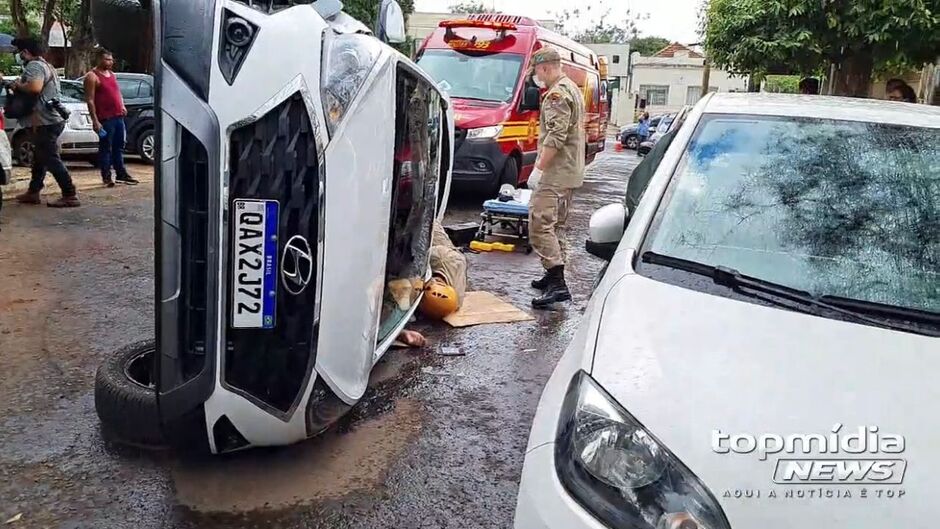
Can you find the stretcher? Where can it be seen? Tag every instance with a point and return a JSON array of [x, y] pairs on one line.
[[506, 220]]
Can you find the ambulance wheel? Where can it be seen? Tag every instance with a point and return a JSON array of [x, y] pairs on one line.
[[510, 175], [126, 398]]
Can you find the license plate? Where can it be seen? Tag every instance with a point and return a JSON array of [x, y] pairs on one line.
[[254, 281]]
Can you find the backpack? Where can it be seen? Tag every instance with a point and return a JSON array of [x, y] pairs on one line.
[[20, 105]]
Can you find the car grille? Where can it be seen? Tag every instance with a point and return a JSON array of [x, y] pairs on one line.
[[275, 158], [270, 6], [194, 228]]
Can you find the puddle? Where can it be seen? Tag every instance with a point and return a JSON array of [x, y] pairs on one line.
[[329, 467]]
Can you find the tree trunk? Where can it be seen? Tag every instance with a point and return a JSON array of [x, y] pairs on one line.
[[852, 77], [79, 55], [18, 14], [48, 19]]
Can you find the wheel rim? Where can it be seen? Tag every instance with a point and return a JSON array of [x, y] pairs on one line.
[[147, 147], [632, 143], [25, 153], [139, 369]]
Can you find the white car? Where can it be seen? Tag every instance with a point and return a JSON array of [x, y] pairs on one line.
[[302, 162], [6, 158], [78, 139], [762, 350]]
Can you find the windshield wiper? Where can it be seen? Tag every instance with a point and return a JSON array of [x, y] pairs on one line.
[[754, 287], [880, 309]]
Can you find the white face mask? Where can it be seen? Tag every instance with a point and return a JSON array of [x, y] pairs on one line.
[[19, 59], [539, 83]]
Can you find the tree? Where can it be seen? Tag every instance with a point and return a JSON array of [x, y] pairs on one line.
[[469, 7], [80, 34], [806, 36], [582, 27], [366, 11], [648, 46]]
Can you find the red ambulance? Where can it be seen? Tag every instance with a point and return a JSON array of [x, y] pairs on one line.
[[483, 63]]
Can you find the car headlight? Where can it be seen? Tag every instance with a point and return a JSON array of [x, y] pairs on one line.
[[618, 471], [485, 133], [346, 65]]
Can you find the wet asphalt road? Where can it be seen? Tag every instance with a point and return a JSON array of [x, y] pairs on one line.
[[437, 443]]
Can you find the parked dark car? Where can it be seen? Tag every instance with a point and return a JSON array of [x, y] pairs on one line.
[[628, 136], [137, 91], [668, 123]]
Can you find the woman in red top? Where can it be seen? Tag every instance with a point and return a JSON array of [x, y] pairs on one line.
[[107, 115]]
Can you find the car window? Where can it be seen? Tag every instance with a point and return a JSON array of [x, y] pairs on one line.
[[418, 126], [489, 77], [73, 90], [841, 208], [129, 88], [146, 90]]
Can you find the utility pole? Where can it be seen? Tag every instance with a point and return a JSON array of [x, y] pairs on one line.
[[706, 77]]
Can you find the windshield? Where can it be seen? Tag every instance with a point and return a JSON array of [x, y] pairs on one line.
[[663, 126], [838, 208], [489, 77]]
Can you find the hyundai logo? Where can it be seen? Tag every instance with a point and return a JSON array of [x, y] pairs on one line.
[[296, 265]]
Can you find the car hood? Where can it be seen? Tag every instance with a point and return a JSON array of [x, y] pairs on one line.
[[472, 114], [692, 366]]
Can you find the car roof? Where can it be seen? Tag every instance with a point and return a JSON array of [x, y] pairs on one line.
[[825, 107], [126, 75]]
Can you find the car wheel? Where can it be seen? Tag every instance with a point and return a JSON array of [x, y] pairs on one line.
[[510, 175], [126, 398], [146, 146], [23, 150], [631, 142]]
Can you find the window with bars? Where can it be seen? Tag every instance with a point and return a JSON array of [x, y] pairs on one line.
[[655, 94]]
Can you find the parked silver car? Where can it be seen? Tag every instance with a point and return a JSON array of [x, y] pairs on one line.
[[79, 138]]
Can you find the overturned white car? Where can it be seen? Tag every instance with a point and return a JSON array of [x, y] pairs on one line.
[[301, 165]]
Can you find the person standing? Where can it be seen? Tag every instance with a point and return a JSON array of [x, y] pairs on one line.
[[106, 106], [643, 127], [559, 170], [46, 124]]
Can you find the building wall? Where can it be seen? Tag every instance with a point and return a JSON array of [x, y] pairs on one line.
[[683, 79], [422, 23], [621, 103]]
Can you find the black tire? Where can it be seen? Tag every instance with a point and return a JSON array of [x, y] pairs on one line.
[[146, 148], [510, 175], [125, 398], [23, 150], [631, 142]]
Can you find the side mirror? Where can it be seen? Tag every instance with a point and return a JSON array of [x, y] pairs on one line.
[[391, 23], [531, 99], [606, 229]]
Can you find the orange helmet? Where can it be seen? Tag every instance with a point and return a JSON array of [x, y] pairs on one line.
[[440, 300]]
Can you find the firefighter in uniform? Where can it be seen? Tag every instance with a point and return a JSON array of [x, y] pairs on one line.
[[559, 170]]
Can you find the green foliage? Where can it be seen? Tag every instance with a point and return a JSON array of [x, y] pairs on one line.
[[782, 84], [648, 46], [469, 7], [366, 10], [804, 36], [583, 27]]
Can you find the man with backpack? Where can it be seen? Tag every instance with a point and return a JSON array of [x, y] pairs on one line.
[[43, 115]]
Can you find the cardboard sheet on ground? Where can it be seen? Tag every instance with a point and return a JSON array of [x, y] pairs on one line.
[[483, 307]]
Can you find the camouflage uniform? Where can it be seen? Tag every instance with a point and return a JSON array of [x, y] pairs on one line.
[[561, 127], [447, 262]]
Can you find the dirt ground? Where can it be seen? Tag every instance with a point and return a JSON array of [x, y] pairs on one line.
[[438, 441]]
